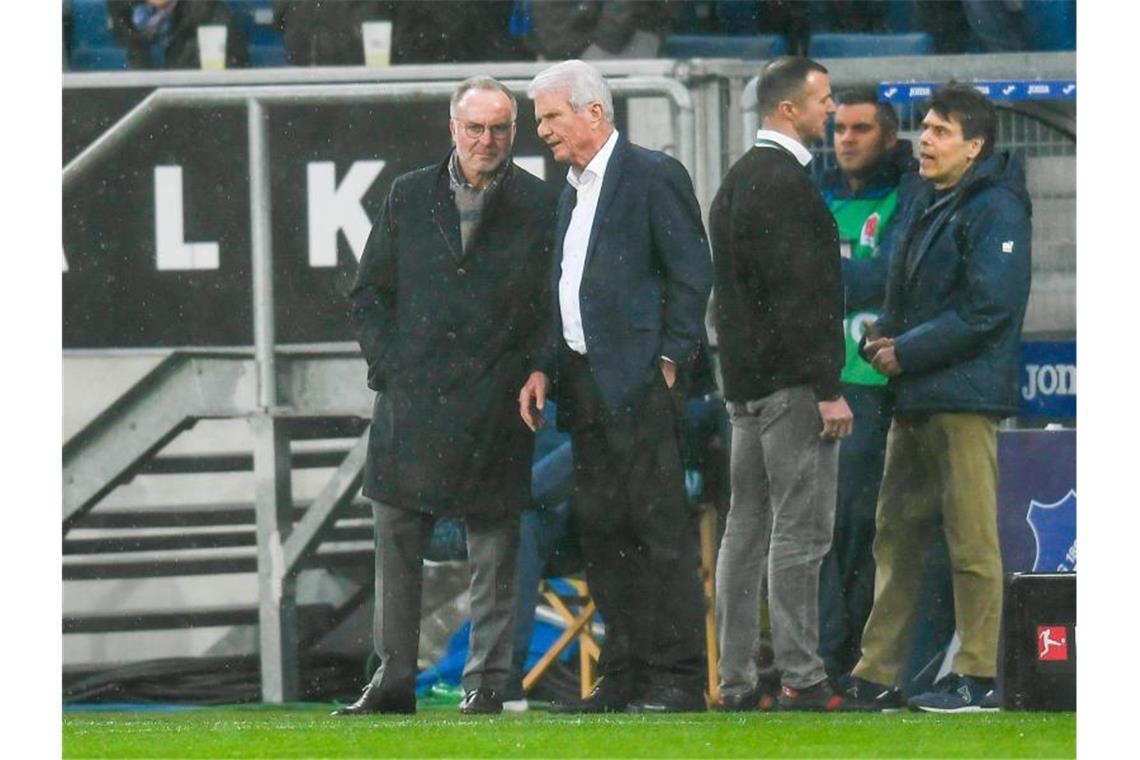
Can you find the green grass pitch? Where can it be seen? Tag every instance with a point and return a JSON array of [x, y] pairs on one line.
[[307, 731]]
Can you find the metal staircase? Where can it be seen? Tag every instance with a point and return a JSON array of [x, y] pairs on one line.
[[320, 421]]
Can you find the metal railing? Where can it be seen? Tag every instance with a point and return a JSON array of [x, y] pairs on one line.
[[257, 98]]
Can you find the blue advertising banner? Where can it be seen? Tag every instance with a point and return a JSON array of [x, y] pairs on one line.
[[1006, 89], [1048, 380], [1037, 500]]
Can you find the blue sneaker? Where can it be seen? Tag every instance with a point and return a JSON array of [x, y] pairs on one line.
[[957, 694]]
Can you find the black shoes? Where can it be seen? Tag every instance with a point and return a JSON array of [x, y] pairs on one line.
[[374, 702], [607, 697], [870, 695], [818, 698], [669, 699], [481, 701], [746, 702]]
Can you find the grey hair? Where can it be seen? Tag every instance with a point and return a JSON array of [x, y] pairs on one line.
[[483, 83], [582, 81]]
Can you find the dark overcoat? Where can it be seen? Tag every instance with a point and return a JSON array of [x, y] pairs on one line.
[[449, 337]]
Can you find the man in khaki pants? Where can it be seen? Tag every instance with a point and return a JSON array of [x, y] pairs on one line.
[[948, 339]]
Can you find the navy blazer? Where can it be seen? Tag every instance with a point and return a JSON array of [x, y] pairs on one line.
[[647, 276]]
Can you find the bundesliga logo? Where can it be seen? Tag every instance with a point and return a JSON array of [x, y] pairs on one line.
[[1052, 643]]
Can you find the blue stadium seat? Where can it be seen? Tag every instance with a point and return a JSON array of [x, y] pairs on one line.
[[738, 16], [695, 17], [98, 59], [93, 45], [1054, 24], [266, 48], [851, 45], [900, 16], [750, 46], [91, 24]]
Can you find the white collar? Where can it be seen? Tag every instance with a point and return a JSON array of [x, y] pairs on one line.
[[597, 166], [793, 146]]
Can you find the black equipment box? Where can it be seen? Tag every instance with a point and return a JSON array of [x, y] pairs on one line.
[[1039, 624]]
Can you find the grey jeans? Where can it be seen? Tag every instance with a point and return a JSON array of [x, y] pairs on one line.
[[780, 519]]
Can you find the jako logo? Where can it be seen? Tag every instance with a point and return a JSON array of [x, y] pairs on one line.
[[919, 92], [1052, 643], [1039, 89], [1049, 380]]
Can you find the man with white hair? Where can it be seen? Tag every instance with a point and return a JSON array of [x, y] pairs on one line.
[[631, 281]]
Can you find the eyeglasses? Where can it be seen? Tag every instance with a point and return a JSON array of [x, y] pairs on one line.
[[475, 131]]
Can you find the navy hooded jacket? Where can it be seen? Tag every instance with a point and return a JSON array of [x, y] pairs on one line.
[[957, 292]]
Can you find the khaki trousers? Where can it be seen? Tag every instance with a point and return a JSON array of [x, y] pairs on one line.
[[936, 465]]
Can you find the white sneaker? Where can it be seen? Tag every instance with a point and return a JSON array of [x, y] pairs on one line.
[[516, 705]]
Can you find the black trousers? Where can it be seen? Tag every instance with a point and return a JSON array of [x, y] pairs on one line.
[[637, 531]]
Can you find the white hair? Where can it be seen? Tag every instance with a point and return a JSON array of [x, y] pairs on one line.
[[584, 84]]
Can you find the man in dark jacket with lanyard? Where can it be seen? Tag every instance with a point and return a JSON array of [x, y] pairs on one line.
[[948, 339], [448, 304], [779, 317], [863, 194]]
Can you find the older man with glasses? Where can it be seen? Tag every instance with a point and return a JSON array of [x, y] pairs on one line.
[[448, 304]]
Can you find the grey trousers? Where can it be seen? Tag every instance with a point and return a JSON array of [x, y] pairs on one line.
[[401, 538], [781, 518]]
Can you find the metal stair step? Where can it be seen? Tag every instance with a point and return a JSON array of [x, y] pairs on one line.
[[193, 515], [183, 464], [192, 540], [203, 617], [172, 566]]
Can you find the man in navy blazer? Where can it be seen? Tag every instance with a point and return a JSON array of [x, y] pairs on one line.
[[631, 282]]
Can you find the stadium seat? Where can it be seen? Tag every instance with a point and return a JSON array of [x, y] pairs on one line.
[[738, 16], [98, 59], [751, 46], [696, 17], [900, 16], [851, 45], [93, 45], [1053, 24], [266, 48]]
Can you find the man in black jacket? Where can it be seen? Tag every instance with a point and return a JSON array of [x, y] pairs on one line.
[[779, 317], [448, 304]]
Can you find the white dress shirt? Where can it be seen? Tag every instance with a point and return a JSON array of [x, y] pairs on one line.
[[588, 183], [795, 147]]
